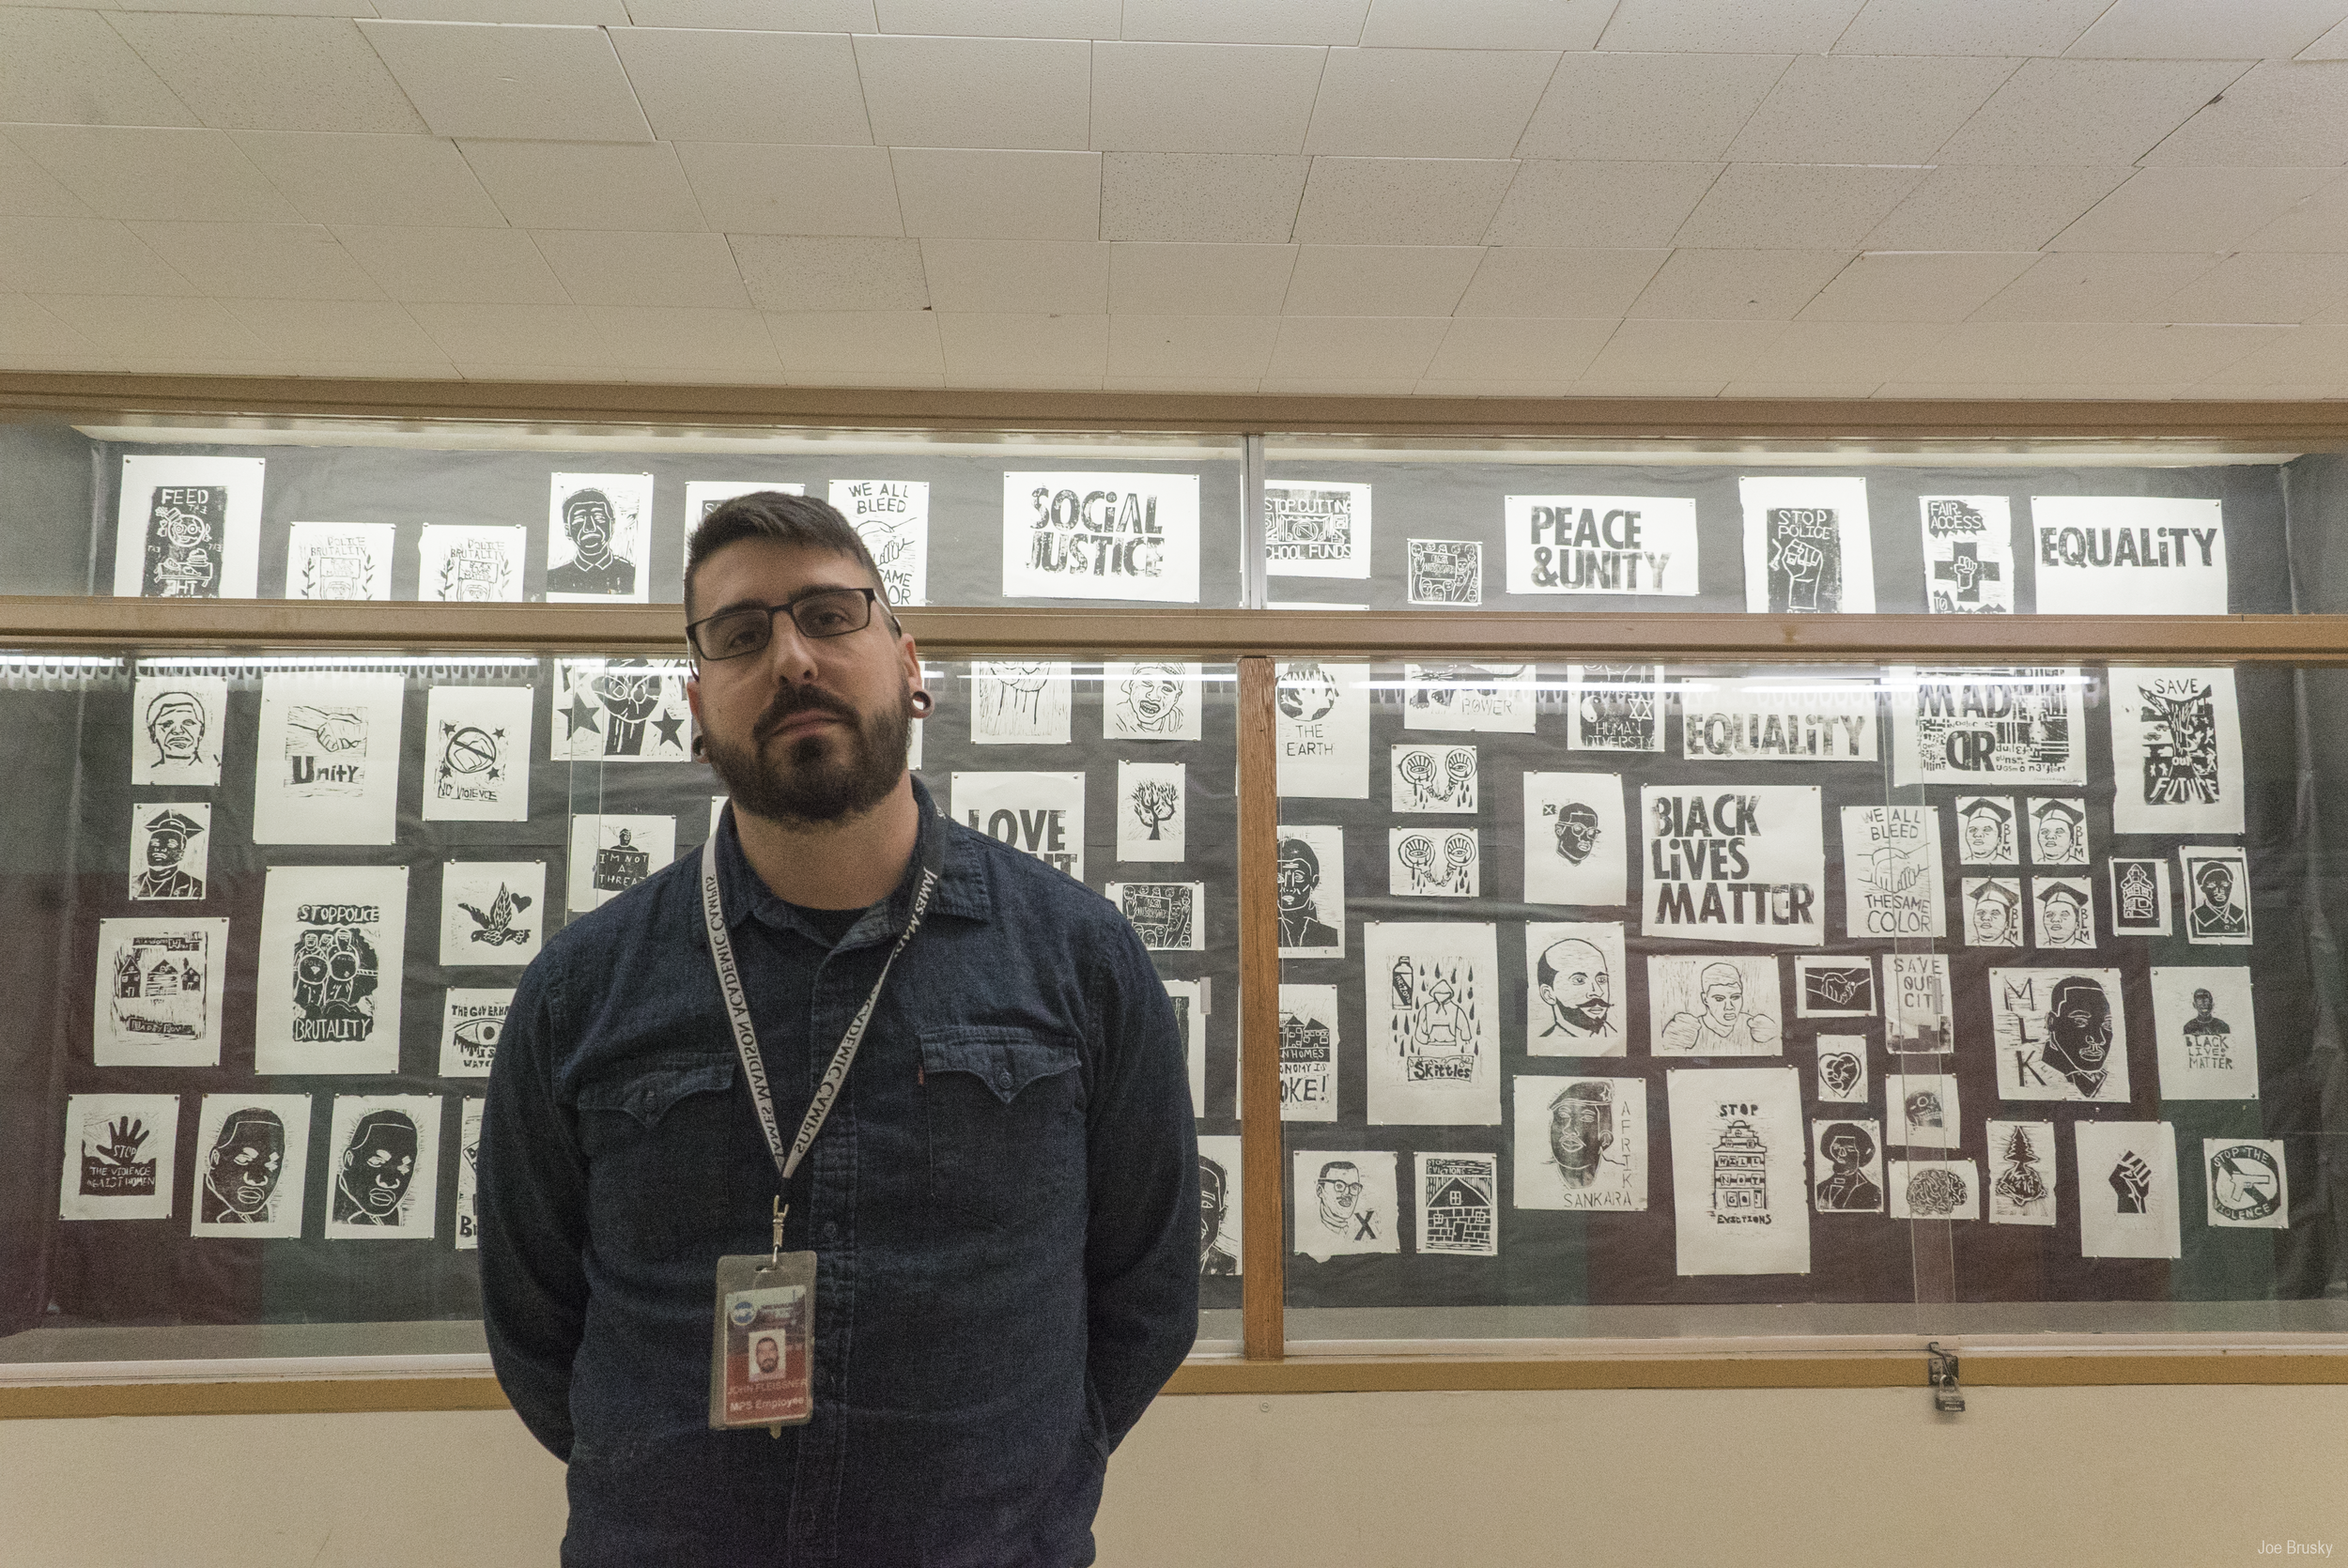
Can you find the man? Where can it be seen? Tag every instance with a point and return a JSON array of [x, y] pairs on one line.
[[2205, 1022], [1850, 1189], [1335, 1192], [1216, 1260], [588, 522], [1991, 922], [1002, 1200], [1575, 987], [1576, 831], [371, 1184], [2079, 1033], [769, 1358], [1723, 1028], [2216, 913], [2064, 919], [167, 835], [1300, 925], [1988, 835], [176, 729], [241, 1169], [1581, 1130], [2060, 833], [1152, 703]]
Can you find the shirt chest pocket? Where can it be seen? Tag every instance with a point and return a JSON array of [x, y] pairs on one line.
[[1004, 1114], [655, 1133]]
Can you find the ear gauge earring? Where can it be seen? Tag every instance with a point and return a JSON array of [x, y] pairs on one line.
[[922, 703], [701, 747]]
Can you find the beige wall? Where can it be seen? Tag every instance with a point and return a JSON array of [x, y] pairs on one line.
[[2145, 1477]]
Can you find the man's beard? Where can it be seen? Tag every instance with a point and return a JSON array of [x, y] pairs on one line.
[[1590, 1017], [809, 785]]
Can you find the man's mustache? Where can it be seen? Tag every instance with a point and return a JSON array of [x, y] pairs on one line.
[[791, 701]]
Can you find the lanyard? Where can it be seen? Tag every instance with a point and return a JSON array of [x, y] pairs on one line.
[[745, 1035]]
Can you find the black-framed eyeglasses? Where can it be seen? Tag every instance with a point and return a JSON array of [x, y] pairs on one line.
[[747, 629]]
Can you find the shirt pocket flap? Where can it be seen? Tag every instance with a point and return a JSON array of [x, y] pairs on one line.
[[1005, 1059], [647, 1090]]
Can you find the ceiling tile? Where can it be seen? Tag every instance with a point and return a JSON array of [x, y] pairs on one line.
[[1994, 207], [2281, 113], [785, 16], [488, 370], [962, 192], [1728, 26], [143, 327], [1526, 280], [2171, 354], [1975, 27], [2207, 29], [586, 13], [2086, 111], [1683, 350], [452, 265], [1485, 23], [2085, 286], [29, 191], [868, 343], [1344, 348], [1443, 386], [335, 329], [1379, 280], [343, 179], [988, 349], [792, 273], [2331, 46], [271, 72], [345, 8], [1648, 106], [1817, 352], [1736, 285], [2016, 353], [527, 82], [1410, 201], [69, 67], [759, 188], [1246, 21], [1867, 108], [1203, 96], [1909, 285], [976, 92], [1229, 198], [1506, 349], [260, 261], [1208, 385], [2305, 355], [515, 334], [1003, 19], [706, 86], [28, 331], [1199, 280], [1337, 386], [1751, 388], [854, 379], [1224, 346], [606, 267], [1019, 277], [2190, 210], [2317, 222], [1557, 203], [126, 173], [1789, 205], [1426, 102], [81, 255], [2285, 286], [731, 340], [574, 185]]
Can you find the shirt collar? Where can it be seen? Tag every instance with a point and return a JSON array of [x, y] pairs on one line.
[[961, 890]]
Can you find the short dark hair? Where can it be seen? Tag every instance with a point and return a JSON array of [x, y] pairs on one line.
[[786, 519]]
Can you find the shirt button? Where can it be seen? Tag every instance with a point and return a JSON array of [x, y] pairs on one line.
[[830, 1232]]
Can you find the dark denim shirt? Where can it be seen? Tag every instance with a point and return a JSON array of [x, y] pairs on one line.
[[1004, 1205]]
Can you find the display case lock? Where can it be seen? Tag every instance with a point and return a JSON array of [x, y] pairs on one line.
[[1940, 1371]]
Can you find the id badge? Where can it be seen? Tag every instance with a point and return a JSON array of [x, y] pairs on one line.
[[762, 1355]]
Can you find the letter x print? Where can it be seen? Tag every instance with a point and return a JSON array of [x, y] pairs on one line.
[[1365, 1225]]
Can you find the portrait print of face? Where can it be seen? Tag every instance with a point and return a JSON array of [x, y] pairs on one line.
[[1992, 912], [2218, 896], [765, 1357], [2058, 832], [1337, 1192], [176, 724], [1581, 1130], [1984, 830], [1847, 1156], [1576, 826], [252, 1159], [2079, 1032], [1154, 699], [384, 1167], [1218, 1254], [595, 544], [241, 1168], [1577, 988], [2067, 917], [373, 1171], [1309, 862]]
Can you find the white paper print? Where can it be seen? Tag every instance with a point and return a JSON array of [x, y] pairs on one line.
[[468, 1237], [1993, 911], [1843, 1070], [1985, 830], [1577, 984], [1780, 719], [472, 1020], [2139, 896], [2248, 1187], [892, 517], [1100, 536], [1433, 1047], [1921, 1111], [1987, 727], [1935, 1189], [1918, 1016], [1448, 572], [2021, 1173], [620, 710], [2060, 1034], [161, 982], [1311, 866], [1321, 726], [2205, 1032], [1432, 862], [1458, 1205], [1152, 811], [1319, 529], [2129, 555], [1968, 555], [1742, 1198], [1152, 701], [1221, 1250], [250, 1164], [178, 723], [1580, 1144], [1733, 865], [2057, 829], [339, 561], [1041, 813], [599, 538], [326, 766], [1846, 1167], [1714, 1005], [334, 951], [2216, 883], [1020, 702], [704, 496], [1616, 707], [1190, 1021], [467, 563], [170, 850], [120, 1155], [2063, 913], [1575, 840], [2127, 1176], [1838, 987], [188, 528], [1345, 1203], [383, 1162], [1308, 1054], [1496, 698], [1439, 779], [611, 853], [1891, 871], [492, 912], [1170, 916], [1807, 548], [1600, 544], [2177, 751], [476, 754]]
